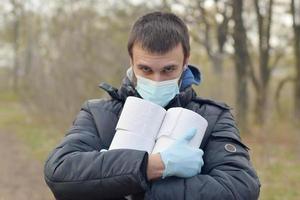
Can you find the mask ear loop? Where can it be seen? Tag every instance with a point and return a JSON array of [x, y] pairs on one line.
[[134, 79]]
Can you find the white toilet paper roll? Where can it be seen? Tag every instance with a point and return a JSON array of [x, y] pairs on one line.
[[179, 120], [128, 140], [141, 117]]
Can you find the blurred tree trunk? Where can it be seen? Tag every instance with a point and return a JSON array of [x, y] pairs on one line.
[[241, 59], [16, 12], [264, 19], [29, 48], [15, 74], [215, 36], [296, 27], [216, 55]]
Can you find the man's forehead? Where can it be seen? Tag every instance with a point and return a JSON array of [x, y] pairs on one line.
[[141, 55]]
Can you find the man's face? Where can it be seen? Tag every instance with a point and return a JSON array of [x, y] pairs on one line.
[[158, 67]]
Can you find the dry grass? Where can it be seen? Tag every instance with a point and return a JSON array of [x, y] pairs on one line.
[[275, 153], [38, 135]]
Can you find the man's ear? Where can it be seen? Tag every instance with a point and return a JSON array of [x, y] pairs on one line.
[[131, 65], [186, 62], [131, 61], [134, 80]]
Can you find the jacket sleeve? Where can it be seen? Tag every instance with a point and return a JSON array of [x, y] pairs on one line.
[[226, 174], [76, 169]]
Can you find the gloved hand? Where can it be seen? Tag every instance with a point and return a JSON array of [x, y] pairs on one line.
[[182, 160]]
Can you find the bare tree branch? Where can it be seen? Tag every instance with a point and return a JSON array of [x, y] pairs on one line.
[[207, 41], [253, 77], [278, 92], [269, 22], [222, 29], [277, 58]]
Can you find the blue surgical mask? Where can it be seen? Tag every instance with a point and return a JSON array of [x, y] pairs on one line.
[[160, 93]]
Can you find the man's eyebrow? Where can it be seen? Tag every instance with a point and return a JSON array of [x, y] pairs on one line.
[[171, 65], [142, 65]]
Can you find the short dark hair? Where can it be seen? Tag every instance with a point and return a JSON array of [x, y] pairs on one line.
[[159, 32]]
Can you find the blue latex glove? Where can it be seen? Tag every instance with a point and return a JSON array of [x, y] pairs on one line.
[[182, 160]]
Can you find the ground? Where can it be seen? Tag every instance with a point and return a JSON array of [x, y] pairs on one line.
[[21, 176]]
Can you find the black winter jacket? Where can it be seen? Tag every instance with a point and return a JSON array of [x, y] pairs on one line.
[[77, 170]]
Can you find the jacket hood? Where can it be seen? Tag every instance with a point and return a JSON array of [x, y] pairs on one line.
[[190, 76]]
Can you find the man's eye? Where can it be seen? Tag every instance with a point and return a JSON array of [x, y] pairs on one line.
[[146, 69], [168, 69]]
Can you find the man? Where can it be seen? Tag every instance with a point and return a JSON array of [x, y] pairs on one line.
[[80, 167]]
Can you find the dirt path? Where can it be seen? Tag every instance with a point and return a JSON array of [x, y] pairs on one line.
[[21, 176]]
